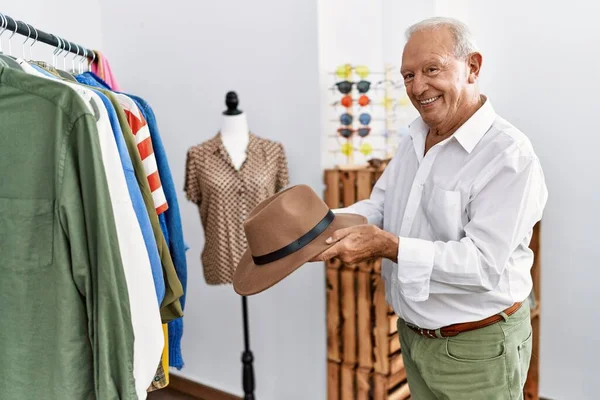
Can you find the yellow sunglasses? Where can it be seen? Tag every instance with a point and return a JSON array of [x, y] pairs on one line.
[[345, 71]]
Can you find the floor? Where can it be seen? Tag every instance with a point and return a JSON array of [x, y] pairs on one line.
[[170, 394]]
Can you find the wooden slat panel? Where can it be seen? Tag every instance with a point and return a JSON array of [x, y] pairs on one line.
[[379, 387], [402, 393], [332, 188], [334, 324], [365, 266], [350, 266], [535, 313], [349, 188], [392, 324], [377, 266], [396, 363], [364, 303], [334, 263], [533, 376], [381, 329], [363, 384], [348, 382], [363, 185], [394, 345], [534, 245], [349, 316], [394, 380], [333, 381]]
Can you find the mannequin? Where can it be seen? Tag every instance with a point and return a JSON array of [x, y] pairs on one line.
[[234, 131], [226, 177]]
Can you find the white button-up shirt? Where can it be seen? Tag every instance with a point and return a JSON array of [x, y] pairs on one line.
[[464, 213]]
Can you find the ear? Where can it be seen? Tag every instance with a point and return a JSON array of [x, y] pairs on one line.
[[474, 61]]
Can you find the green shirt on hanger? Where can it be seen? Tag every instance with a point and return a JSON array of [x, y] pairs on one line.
[[66, 328]]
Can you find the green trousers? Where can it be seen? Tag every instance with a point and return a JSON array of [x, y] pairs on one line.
[[490, 363]]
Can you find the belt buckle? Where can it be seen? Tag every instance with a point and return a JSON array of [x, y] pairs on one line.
[[428, 333], [419, 330]]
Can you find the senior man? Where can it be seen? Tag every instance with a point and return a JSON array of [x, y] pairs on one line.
[[452, 216]]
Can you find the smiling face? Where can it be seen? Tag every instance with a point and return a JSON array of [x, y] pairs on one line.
[[441, 86]]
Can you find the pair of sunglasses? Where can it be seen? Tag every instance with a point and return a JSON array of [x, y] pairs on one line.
[[347, 101], [346, 119], [345, 87], [347, 133], [366, 149], [347, 149], [344, 71], [390, 103]]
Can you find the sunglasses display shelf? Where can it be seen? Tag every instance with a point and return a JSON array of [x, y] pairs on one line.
[[368, 112], [364, 358]]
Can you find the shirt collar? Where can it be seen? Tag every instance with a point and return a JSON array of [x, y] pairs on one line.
[[216, 145], [468, 135]]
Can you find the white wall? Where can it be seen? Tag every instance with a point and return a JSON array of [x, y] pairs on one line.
[[183, 56], [538, 70], [397, 16], [64, 18]]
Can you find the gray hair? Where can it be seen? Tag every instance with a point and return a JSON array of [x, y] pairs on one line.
[[464, 42]]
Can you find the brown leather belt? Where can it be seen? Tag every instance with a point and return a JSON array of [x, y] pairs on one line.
[[455, 329]]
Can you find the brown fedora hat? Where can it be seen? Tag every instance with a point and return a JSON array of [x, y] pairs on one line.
[[284, 232]]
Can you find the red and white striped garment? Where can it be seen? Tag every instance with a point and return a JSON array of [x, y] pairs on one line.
[[140, 130]]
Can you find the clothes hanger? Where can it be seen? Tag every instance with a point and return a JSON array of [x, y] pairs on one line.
[[63, 73], [6, 59], [11, 36], [42, 64], [83, 57], [25, 41], [92, 62], [2, 28], [73, 59], [33, 43], [56, 52]]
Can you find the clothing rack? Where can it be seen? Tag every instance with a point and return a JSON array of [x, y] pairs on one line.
[[37, 35]]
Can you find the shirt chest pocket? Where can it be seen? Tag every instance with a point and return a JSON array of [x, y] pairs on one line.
[[26, 234], [444, 213]]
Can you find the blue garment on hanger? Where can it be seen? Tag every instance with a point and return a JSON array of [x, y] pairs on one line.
[[174, 227], [170, 220]]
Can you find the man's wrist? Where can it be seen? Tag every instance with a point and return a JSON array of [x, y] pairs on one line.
[[391, 245]]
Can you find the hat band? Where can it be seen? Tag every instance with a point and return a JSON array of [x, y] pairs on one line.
[[298, 244]]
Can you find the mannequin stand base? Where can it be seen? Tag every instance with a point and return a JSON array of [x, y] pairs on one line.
[[247, 357]]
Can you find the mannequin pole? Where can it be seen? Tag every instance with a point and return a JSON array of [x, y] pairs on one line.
[[247, 357]]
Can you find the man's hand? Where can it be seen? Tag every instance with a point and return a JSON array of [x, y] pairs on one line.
[[359, 243]]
